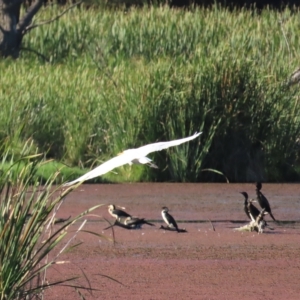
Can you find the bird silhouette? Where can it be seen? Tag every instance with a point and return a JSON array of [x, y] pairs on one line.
[[263, 201]]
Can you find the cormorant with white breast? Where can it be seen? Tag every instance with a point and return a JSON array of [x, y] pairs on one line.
[[168, 218], [117, 213], [129, 222]]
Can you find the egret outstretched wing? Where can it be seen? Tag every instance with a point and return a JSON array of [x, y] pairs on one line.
[[129, 156], [145, 150], [109, 165]]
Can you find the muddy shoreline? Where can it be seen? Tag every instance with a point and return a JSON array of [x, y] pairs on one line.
[[152, 263]]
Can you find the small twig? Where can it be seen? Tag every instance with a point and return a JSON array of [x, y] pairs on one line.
[[49, 234], [112, 229], [285, 38], [110, 226], [70, 240], [36, 52], [30, 27], [51, 221], [31, 12], [212, 225]]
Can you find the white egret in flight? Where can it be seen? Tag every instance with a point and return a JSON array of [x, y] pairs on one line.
[[131, 156]]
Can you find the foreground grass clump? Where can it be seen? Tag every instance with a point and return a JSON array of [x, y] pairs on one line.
[[30, 243], [121, 79]]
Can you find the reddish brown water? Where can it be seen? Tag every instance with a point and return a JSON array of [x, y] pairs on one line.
[[201, 264]]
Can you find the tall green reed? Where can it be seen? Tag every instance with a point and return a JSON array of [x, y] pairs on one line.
[[30, 243]]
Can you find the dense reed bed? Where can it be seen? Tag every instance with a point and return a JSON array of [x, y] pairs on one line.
[[33, 239], [116, 79]]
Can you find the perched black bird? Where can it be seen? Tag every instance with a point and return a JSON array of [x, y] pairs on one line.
[[249, 208], [169, 219], [257, 222], [263, 201], [117, 213], [254, 212]]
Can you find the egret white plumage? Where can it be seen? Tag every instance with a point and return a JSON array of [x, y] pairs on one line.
[[132, 156]]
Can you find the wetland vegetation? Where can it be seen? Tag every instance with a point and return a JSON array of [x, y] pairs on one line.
[[113, 79]]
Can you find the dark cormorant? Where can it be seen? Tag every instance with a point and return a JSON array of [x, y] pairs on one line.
[[249, 208], [262, 200]]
